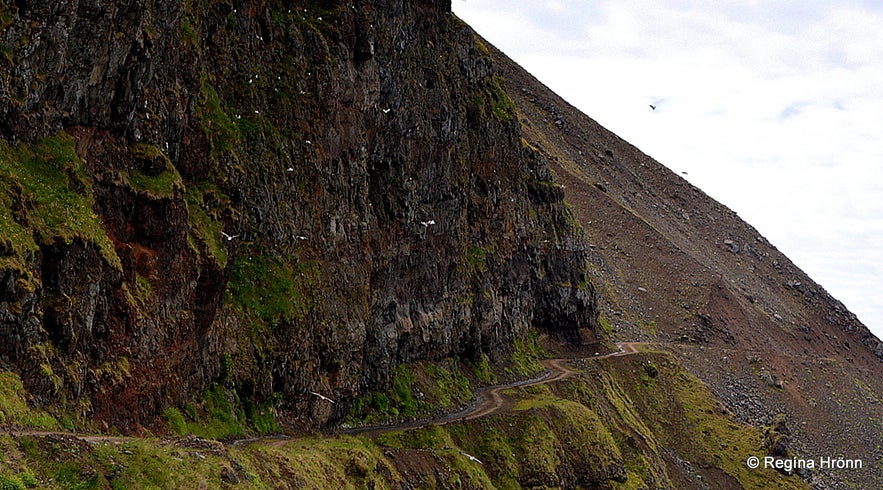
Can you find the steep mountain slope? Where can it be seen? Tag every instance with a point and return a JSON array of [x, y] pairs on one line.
[[253, 216], [675, 267]]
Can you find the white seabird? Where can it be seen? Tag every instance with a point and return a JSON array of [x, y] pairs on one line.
[[323, 397], [428, 223], [471, 457], [228, 237]]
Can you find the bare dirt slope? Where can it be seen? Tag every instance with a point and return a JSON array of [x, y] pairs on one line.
[[675, 266]]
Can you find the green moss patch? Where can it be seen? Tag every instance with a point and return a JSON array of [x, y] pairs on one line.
[[205, 205], [216, 416], [418, 390], [400, 400], [503, 107], [15, 239], [429, 437], [476, 259], [221, 414], [270, 291], [157, 176], [14, 409], [450, 387], [152, 464], [483, 371], [526, 355], [189, 32], [221, 130], [47, 195]]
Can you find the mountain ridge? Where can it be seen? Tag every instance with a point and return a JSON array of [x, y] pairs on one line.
[[691, 273]]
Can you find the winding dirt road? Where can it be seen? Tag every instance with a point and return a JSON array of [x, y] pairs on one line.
[[491, 400], [488, 401]]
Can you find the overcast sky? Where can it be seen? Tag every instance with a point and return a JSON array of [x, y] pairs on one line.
[[774, 108]]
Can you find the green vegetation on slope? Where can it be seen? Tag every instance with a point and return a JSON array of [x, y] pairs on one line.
[[419, 390], [590, 431], [164, 181], [205, 203], [61, 462], [222, 414], [608, 427], [270, 291], [526, 355], [46, 196], [221, 130], [14, 409], [423, 389], [651, 398]]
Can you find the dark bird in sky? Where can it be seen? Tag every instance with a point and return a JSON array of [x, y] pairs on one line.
[[653, 107]]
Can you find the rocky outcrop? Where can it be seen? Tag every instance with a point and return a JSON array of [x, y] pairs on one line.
[[280, 196]]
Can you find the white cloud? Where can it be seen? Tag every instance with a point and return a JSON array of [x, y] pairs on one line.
[[773, 108]]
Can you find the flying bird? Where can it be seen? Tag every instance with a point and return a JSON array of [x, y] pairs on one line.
[[323, 397], [228, 237], [385, 111], [653, 107], [471, 457], [427, 223]]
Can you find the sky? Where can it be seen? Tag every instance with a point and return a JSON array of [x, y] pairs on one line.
[[773, 108]]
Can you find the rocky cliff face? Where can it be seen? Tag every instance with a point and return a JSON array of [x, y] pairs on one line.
[[281, 196]]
